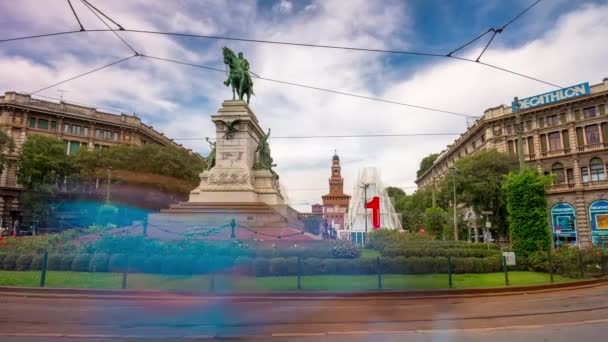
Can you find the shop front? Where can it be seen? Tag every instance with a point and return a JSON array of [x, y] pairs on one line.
[[563, 224], [598, 219]]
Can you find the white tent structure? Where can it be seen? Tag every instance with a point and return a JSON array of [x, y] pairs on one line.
[[367, 186]]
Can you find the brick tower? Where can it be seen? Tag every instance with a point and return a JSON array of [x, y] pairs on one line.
[[335, 203]]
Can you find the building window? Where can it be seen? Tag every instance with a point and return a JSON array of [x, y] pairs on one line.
[[510, 146], [529, 125], [107, 135], [555, 142], [566, 139], [97, 134], [585, 174], [53, 125], [570, 176], [530, 145], [75, 130], [508, 127], [43, 124], [592, 133], [589, 112], [552, 120], [543, 142], [74, 147], [66, 128], [558, 170], [597, 169], [96, 147], [85, 131], [483, 138], [562, 118], [115, 136], [32, 123], [541, 122], [602, 109]]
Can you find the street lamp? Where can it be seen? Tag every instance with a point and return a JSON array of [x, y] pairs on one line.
[[454, 171]]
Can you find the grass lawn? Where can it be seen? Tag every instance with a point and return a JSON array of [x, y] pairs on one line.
[[227, 283]]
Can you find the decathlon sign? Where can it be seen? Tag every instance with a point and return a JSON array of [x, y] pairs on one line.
[[554, 96]]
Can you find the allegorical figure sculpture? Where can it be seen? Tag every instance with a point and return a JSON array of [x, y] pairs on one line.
[[238, 77], [264, 159], [211, 157]]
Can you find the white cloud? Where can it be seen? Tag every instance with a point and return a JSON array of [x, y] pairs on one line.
[[178, 100], [283, 6]]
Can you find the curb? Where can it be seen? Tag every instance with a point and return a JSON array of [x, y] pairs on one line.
[[295, 295]]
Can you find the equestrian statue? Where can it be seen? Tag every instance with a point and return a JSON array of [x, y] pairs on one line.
[[238, 77]]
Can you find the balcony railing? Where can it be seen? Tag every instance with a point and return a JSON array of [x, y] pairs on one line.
[[552, 153], [591, 184], [592, 147], [561, 187]]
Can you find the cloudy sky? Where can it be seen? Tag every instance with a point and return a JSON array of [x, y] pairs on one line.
[[560, 41]]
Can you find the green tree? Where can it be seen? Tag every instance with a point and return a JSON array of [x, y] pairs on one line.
[[435, 221], [426, 164], [394, 192], [479, 184], [527, 211], [42, 162]]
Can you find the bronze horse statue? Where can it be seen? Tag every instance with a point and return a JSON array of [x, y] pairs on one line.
[[239, 76]]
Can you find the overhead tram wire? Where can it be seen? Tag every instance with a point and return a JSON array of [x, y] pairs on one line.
[[344, 136], [93, 9], [412, 53], [76, 15], [314, 88], [83, 74]]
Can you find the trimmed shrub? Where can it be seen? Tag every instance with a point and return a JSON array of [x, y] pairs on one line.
[[99, 263], [23, 262], [118, 263], [330, 266], [153, 264], [278, 267], [10, 262], [312, 266], [81, 263], [171, 265], [37, 262], [136, 263], [2, 255], [53, 262], [345, 249], [66, 262], [243, 265], [261, 266], [364, 266], [292, 266]]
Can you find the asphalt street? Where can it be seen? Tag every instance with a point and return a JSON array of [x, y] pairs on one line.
[[560, 315]]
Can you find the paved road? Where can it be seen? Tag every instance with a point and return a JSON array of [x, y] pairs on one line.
[[551, 316]]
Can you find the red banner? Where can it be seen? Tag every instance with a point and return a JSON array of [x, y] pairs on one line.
[[374, 205]]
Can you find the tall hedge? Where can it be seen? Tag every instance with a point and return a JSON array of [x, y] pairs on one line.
[[527, 211]]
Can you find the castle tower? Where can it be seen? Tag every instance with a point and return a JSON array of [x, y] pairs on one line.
[[335, 203]]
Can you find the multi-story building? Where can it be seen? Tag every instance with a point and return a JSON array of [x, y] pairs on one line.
[[565, 133], [335, 203], [78, 126]]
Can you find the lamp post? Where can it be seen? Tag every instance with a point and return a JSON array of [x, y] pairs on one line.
[[454, 171], [365, 186]]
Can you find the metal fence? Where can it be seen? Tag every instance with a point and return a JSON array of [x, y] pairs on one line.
[[244, 274]]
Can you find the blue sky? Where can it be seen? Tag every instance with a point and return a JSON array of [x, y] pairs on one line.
[[558, 40]]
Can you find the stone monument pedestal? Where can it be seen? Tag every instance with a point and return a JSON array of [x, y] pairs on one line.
[[237, 186]]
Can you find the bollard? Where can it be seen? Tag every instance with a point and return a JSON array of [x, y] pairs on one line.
[[450, 272], [379, 271], [299, 272], [124, 280], [506, 269], [45, 257], [550, 266]]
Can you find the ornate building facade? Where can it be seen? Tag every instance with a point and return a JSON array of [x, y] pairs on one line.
[[78, 126], [335, 203], [563, 135]]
